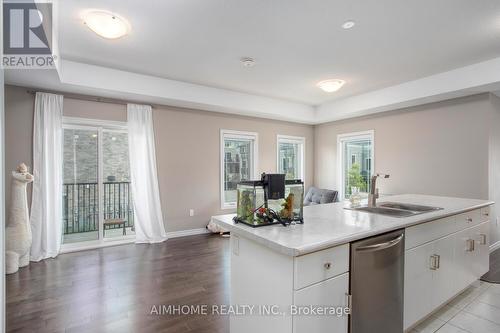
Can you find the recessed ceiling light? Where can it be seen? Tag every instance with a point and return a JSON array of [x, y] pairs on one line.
[[348, 24], [106, 24], [331, 85], [248, 62]]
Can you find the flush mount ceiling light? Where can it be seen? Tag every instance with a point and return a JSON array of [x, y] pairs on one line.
[[247, 62], [348, 24], [331, 85], [106, 24]]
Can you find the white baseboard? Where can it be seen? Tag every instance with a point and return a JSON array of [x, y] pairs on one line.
[[189, 232], [494, 246], [68, 248]]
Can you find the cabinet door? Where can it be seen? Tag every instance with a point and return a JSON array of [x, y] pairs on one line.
[[443, 277], [481, 252], [464, 259], [330, 293], [418, 283]]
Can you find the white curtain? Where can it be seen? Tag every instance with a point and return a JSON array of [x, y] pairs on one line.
[[148, 222], [46, 206]]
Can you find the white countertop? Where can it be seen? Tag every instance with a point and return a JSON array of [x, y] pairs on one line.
[[330, 224]]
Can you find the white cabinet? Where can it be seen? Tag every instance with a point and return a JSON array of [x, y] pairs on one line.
[[443, 272], [418, 279], [263, 277], [331, 292], [464, 257], [483, 239], [471, 254], [429, 274], [480, 236], [439, 266]]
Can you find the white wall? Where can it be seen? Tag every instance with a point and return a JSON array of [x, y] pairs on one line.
[[188, 172], [494, 171], [2, 206], [443, 148]]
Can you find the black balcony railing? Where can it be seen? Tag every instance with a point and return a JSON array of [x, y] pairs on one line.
[[81, 205]]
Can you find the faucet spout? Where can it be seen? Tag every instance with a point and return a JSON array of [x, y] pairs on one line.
[[373, 196]]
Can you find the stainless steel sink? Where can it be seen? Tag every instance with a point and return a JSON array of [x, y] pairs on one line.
[[385, 211], [396, 209], [404, 206]]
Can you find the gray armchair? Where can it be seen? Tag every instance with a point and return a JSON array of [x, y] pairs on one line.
[[316, 196]]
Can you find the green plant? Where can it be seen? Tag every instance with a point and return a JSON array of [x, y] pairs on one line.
[[355, 179]]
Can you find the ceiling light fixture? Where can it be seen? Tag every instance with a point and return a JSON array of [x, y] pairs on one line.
[[348, 24], [106, 24], [248, 62], [331, 85]]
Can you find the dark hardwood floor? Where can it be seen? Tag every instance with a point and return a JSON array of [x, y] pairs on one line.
[[113, 289]]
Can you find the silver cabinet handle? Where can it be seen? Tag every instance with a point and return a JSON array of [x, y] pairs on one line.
[[438, 261], [327, 265], [470, 245], [483, 239], [434, 262], [469, 220], [381, 246], [348, 300]]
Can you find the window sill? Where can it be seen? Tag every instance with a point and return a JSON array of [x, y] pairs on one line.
[[228, 207]]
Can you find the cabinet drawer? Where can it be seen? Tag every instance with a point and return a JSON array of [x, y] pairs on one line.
[[331, 293], [425, 232], [485, 214], [319, 266], [469, 219]]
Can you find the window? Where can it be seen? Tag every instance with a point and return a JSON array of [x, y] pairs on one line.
[[291, 156], [368, 163], [96, 186], [238, 162], [355, 162]]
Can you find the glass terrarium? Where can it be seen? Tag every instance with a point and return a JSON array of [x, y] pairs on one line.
[[255, 208]]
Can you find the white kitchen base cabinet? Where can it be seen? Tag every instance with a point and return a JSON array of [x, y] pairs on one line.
[[263, 277], [429, 278], [438, 269], [307, 266]]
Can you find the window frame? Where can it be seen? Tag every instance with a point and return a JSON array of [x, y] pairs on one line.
[[301, 141], [341, 139], [242, 135]]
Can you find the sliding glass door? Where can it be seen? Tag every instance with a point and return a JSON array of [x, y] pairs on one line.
[[97, 197], [80, 189], [117, 195]]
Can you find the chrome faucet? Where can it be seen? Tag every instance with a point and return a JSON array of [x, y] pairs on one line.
[[373, 196]]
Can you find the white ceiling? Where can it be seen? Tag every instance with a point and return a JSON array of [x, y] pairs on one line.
[[295, 42], [186, 53]]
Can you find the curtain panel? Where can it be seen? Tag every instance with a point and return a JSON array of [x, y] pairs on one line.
[[46, 206], [149, 225]]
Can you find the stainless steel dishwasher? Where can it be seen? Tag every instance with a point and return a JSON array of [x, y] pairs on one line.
[[376, 284]]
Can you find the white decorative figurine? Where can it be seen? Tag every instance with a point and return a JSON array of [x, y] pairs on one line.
[[18, 232]]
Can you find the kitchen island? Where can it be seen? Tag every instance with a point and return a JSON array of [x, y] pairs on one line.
[[285, 269]]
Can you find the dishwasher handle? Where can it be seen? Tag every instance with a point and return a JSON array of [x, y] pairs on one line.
[[381, 246]]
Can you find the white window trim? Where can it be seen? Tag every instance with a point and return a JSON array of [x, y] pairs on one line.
[[232, 134], [302, 151], [99, 126], [107, 124], [341, 138]]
